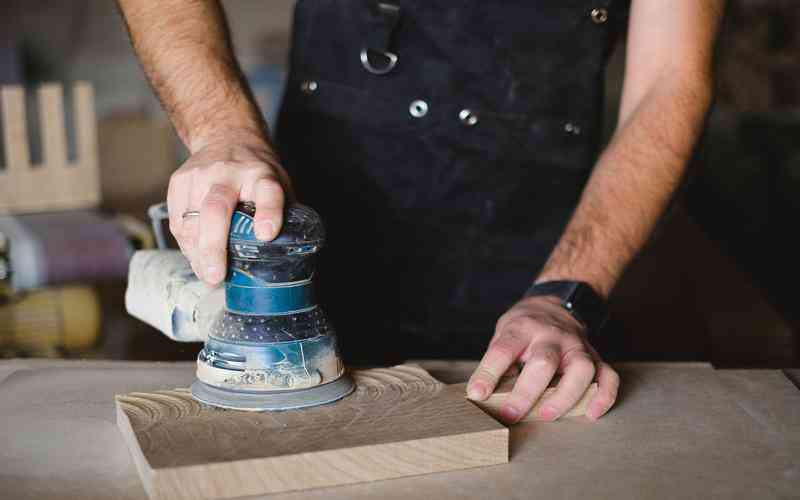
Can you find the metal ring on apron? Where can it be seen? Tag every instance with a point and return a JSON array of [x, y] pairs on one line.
[[390, 57]]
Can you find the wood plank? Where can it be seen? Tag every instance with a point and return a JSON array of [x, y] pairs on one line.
[[15, 128], [86, 174], [493, 403], [51, 121], [399, 422], [54, 187], [15, 142]]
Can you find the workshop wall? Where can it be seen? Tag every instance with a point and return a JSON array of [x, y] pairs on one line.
[[713, 285]]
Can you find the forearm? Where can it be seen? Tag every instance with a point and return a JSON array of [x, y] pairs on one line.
[[185, 49], [632, 184]]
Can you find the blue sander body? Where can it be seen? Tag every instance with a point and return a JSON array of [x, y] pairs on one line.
[[268, 346]]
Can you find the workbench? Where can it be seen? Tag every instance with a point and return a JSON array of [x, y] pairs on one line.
[[677, 431]]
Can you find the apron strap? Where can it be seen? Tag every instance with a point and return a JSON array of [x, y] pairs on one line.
[[375, 54]]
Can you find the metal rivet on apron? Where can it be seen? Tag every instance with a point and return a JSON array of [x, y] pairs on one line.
[[390, 61], [418, 108], [467, 117], [599, 15], [572, 128], [309, 87]]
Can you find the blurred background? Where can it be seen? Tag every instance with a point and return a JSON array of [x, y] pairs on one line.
[[717, 282]]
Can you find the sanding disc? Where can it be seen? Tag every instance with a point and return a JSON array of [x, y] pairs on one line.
[[273, 400]]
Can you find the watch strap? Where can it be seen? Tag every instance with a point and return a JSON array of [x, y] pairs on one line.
[[578, 298]]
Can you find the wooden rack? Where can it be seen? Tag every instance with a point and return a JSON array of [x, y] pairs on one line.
[[56, 183]]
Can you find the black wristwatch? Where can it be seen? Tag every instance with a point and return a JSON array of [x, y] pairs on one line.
[[580, 299]]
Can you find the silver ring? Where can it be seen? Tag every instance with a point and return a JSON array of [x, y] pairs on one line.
[[190, 213]]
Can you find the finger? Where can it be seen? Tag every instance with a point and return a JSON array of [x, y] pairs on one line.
[[215, 220], [579, 371], [500, 355], [269, 199], [531, 383], [177, 203], [184, 229], [607, 390], [187, 239], [188, 247]]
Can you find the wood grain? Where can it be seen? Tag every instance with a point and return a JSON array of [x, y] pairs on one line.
[[56, 183], [399, 422], [493, 403]]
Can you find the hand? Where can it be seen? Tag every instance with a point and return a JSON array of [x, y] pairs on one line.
[[540, 333], [212, 181]]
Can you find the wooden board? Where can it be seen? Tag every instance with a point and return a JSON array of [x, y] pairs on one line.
[[399, 422]]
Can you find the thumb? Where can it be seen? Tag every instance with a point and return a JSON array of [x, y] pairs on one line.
[[269, 200]]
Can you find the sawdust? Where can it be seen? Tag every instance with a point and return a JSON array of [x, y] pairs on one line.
[[322, 369]]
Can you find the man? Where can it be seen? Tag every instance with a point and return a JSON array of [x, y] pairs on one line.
[[452, 149]]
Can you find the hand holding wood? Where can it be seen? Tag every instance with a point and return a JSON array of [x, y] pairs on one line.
[[541, 335]]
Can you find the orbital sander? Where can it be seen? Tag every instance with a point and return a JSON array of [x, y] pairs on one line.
[[268, 345]]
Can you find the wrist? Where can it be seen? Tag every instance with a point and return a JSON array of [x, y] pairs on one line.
[[243, 135], [239, 122]]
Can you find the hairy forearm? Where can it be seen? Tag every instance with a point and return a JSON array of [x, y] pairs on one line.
[[185, 49], [632, 183]]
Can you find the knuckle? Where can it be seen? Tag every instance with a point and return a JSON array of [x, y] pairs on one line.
[[605, 402], [585, 366], [215, 203], [521, 324], [221, 190], [218, 168], [503, 352], [613, 380], [483, 373], [259, 168], [546, 360], [524, 391], [521, 400], [610, 379], [558, 408], [270, 186], [557, 330], [218, 197], [609, 396]]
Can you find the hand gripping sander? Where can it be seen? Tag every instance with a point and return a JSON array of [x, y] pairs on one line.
[[270, 347]]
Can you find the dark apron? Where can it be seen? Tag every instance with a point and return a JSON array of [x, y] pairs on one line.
[[445, 182]]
